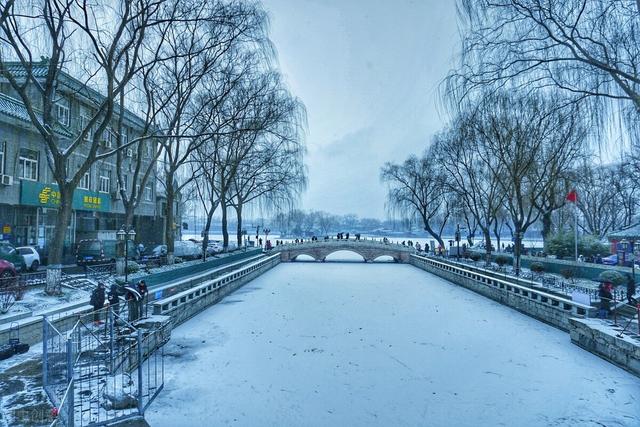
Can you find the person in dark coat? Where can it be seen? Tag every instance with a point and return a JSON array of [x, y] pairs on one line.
[[631, 290], [114, 299], [133, 298], [97, 301], [604, 292], [142, 289]]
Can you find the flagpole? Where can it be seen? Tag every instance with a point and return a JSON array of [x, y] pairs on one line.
[[575, 208]]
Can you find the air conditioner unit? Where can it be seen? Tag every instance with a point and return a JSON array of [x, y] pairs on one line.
[[129, 152], [6, 180]]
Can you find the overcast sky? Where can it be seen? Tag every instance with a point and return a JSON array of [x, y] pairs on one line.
[[368, 73]]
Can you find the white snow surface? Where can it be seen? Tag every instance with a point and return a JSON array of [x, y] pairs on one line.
[[354, 344]]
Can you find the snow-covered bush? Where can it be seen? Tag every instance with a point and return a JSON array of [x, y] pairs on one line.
[[133, 267], [502, 260], [568, 273], [537, 267], [612, 276]]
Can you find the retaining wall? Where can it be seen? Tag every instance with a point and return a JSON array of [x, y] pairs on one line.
[[184, 305], [544, 306], [602, 340]]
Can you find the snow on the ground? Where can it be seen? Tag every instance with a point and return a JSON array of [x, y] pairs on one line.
[[35, 299], [319, 344]]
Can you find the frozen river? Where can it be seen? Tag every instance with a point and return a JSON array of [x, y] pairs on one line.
[[346, 344]]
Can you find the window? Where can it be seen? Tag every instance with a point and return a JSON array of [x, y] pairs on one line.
[[62, 111], [125, 137], [125, 182], [148, 148], [148, 193], [28, 164], [85, 182], [105, 181], [2, 156]]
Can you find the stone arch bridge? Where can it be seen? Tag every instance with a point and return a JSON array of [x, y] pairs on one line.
[[368, 249]]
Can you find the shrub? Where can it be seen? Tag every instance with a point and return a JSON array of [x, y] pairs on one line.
[[562, 245], [475, 257], [133, 267], [537, 267], [567, 273], [502, 260], [612, 277]]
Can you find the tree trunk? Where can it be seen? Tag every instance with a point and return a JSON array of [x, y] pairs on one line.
[[434, 235], [487, 244], [205, 232], [56, 246], [497, 234], [546, 230], [238, 208], [169, 234], [129, 214], [516, 250], [225, 226]]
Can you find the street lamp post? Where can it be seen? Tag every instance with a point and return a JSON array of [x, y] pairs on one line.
[[125, 234]]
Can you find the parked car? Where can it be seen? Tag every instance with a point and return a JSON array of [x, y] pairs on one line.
[[214, 247], [187, 250], [158, 251], [31, 257], [613, 260], [94, 251], [9, 253], [7, 270]]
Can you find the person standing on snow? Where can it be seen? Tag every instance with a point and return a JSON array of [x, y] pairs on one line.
[[97, 301]]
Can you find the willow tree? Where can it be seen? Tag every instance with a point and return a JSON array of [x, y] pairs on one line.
[[417, 187]]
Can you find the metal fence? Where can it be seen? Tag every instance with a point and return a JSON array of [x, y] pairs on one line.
[[100, 368]]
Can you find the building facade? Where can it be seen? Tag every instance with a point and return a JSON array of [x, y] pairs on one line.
[[29, 197]]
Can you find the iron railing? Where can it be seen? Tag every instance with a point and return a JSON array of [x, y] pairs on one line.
[[99, 368]]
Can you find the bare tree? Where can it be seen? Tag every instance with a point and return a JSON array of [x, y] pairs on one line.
[[586, 47], [199, 52], [531, 143], [416, 187], [103, 42], [476, 185]]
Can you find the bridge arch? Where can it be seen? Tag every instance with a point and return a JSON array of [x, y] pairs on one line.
[[344, 253]]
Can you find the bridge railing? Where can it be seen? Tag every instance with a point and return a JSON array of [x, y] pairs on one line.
[[564, 304], [334, 241]]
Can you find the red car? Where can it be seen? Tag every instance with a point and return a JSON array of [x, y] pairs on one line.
[[7, 270]]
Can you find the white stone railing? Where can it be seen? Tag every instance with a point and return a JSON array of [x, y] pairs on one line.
[[550, 302], [171, 303]]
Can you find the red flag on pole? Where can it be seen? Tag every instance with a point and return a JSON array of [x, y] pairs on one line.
[[572, 196]]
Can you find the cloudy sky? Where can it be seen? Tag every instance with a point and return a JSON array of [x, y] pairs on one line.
[[368, 72]]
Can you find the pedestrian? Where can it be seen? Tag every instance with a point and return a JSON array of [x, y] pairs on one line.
[[631, 290], [133, 301], [97, 301], [142, 289], [605, 295], [114, 299], [260, 242]]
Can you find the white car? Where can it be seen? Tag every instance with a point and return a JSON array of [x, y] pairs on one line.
[[31, 257]]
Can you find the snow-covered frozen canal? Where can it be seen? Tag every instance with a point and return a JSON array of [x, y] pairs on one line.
[[346, 344]]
